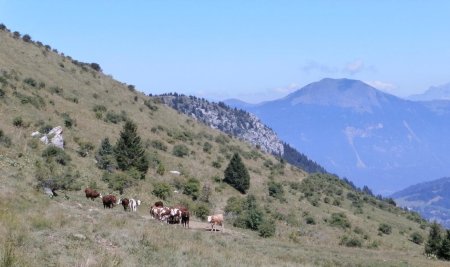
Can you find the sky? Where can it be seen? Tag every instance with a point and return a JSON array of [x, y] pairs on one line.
[[250, 50]]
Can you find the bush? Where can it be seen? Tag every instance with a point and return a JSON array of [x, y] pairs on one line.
[[18, 121], [57, 154], [161, 169], [207, 147], [157, 144], [96, 67], [162, 190], [56, 90], [180, 150], [310, 220], [192, 188], [30, 81], [113, 117], [385, 228], [417, 238], [4, 140], [276, 190], [118, 181], [26, 38], [267, 229], [201, 211], [68, 121], [85, 148], [350, 241], [339, 220]]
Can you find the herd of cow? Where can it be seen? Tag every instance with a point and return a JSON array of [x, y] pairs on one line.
[[171, 215]]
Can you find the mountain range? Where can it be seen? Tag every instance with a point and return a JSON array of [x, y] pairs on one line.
[[356, 131]]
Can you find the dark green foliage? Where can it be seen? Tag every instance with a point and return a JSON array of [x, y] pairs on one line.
[[385, 228], [96, 67], [48, 174], [105, 155], [350, 241], [161, 169], [30, 81], [216, 164], [162, 190], [118, 181], [37, 101], [16, 35], [68, 121], [150, 105], [310, 220], [56, 154], [4, 139], [248, 213], [339, 220], [434, 239], [207, 147], [115, 118], [85, 148], [267, 228], [180, 150], [417, 238], [292, 156], [129, 151], [236, 174], [192, 188], [2, 27], [444, 249], [99, 108], [26, 38], [276, 190], [18, 121], [201, 210], [157, 144], [234, 206]]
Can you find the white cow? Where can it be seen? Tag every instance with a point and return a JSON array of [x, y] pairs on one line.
[[134, 204]]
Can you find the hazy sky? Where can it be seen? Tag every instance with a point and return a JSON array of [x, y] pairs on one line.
[[252, 50]]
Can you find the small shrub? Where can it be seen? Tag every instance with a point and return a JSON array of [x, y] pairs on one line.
[[216, 164], [56, 90], [276, 190], [161, 169], [150, 105], [201, 210], [30, 81], [68, 121], [180, 150], [157, 144], [207, 147], [350, 241], [385, 228], [310, 220], [339, 220], [57, 154], [18, 121], [131, 88], [114, 117], [267, 228], [117, 181], [192, 188], [162, 190], [417, 238], [85, 148], [26, 38], [96, 67]]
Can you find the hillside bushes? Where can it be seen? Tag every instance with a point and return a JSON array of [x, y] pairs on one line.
[[236, 174]]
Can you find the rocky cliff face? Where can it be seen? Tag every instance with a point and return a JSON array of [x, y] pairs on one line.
[[238, 123]]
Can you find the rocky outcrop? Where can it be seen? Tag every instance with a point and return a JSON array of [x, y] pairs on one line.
[[236, 122], [54, 137]]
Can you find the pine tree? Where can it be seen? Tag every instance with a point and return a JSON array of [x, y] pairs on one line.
[[105, 155], [129, 150], [444, 249], [434, 240], [236, 174]]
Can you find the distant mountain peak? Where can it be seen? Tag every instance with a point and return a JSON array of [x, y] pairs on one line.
[[441, 92], [344, 93]]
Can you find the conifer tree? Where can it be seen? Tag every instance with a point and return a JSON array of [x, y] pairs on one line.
[[434, 240], [105, 155], [129, 150], [444, 249], [236, 174]]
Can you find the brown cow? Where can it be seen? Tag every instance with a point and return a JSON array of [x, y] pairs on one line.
[[109, 201], [92, 194], [184, 217], [216, 219], [125, 202]]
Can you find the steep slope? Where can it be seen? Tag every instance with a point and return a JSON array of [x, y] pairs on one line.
[[356, 131], [319, 219], [431, 199], [239, 124]]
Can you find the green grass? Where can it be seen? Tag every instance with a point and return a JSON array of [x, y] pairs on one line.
[[70, 230]]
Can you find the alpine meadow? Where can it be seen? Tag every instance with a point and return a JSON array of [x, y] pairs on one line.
[[119, 141]]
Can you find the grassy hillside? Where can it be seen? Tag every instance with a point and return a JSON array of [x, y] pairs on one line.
[[320, 220]]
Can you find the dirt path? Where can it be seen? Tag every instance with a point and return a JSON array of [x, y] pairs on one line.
[[195, 225]]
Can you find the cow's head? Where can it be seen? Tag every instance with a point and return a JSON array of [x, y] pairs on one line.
[[209, 218], [138, 202]]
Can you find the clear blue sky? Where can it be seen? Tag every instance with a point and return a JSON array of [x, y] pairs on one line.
[[252, 50]]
